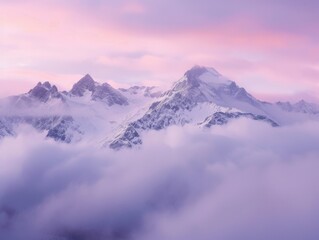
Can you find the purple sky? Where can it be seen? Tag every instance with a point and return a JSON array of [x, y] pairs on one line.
[[269, 47]]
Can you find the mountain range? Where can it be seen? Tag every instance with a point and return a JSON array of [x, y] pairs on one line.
[[118, 118]]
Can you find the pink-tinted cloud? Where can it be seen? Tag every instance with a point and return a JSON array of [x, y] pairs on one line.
[[133, 7], [260, 45]]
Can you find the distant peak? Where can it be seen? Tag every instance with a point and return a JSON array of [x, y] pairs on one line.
[[302, 101], [198, 70], [46, 85], [85, 83], [195, 71], [87, 78], [44, 91], [197, 66], [198, 75]]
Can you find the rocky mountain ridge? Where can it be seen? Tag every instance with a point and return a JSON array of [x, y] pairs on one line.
[[118, 118]]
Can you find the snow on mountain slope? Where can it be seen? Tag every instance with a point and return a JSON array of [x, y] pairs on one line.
[[222, 118], [288, 113], [151, 92], [301, 107], [99, 92], [201, 84], [41, 93], [100, 114], [5, 128], [89, 111], [59, 128], [200, 93]]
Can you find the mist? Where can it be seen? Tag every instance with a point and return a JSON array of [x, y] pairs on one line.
[[245, 180]]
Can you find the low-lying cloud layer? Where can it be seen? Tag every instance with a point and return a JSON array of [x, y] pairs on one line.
[[246, 180]]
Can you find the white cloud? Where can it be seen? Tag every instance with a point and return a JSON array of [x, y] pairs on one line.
[[241, 181]]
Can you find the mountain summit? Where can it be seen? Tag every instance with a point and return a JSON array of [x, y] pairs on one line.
[[98, 92], [199, 75], [117, 118], [44, 92], [203, 84], [199, 94], [84, 84]]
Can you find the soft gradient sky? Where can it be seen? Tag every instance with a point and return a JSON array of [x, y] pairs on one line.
[[270, 47]]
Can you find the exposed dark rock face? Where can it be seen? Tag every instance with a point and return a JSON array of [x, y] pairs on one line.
[[184, 96], [222, 118], [84, 84], [59, 128], [99, 92]]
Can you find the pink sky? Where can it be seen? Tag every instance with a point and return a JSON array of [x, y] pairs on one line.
[[270, 48]]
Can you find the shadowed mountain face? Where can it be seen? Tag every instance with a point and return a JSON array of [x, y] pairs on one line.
[[118, 117], [84, 84], [41, 93], [302, 107], [222, 118], [98, 92], [70, 116], [44, 92]]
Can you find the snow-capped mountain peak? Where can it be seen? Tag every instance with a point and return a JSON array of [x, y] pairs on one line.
[[42, 92], [149, 92], [93, 111], [84, 84], [203, 84], [199, 75], [98, 92], [198, 70], [205, 74], [42, 89], [199, 93], [301, 107], [108, 94], [305, 107]]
